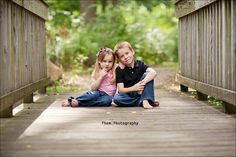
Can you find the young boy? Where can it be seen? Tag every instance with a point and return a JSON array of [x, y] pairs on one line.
[[134, 79]]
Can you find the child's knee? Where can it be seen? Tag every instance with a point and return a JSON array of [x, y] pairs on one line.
[[116, 99], [93, 93], [106, 100], [144, 75], [109, 101]]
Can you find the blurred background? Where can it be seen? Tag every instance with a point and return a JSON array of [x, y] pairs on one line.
[[76, 29]]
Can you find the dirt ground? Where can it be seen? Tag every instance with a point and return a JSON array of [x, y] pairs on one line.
[[166, 78]]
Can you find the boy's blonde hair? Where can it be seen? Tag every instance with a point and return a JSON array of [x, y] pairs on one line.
[[121, 45], [100, 56]]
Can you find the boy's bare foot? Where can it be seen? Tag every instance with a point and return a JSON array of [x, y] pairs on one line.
[[146, 105], [156, 103]]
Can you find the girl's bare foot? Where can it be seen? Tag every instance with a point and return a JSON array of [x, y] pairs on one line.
[[146, 105], [65, 103], [74, 103]]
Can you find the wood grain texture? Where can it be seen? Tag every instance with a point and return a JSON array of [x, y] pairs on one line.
[[37, 7], [185, 7], [22, 49], [221, 93], [207, 45], [181, 126]]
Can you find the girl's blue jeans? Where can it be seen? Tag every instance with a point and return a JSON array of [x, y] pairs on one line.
[[133, 99], [94, 98]]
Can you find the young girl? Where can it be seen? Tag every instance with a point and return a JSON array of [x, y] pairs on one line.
[[103, 86], [135, 80]]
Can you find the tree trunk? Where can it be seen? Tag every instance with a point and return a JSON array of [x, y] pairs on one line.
[[106, 2], [88, 9], [115, 2]]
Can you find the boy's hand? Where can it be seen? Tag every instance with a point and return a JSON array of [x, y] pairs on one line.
[[139, 87], [141, 83]]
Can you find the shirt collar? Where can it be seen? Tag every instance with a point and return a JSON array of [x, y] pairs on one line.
[[135, 65]]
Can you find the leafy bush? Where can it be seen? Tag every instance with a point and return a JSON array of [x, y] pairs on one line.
[[152, 33]]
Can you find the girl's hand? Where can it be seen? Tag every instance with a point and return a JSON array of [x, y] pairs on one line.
[[102, 73]]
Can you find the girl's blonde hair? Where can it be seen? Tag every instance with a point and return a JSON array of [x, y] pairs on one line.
[[100, 56], [121, 45]]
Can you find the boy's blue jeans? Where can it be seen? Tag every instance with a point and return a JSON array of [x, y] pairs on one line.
[[133, 99], [94, 98]]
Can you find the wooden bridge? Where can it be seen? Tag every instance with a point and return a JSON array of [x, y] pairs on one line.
[[181, 126], [22, 51], [207, 48]]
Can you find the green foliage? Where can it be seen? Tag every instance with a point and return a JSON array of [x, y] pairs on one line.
[[61, 89], [153, 33], [214, 101], [61, 10], [151, 28], [151, 3], [170, 64]]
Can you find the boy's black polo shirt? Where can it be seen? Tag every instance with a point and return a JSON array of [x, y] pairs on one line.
[[131, 76]]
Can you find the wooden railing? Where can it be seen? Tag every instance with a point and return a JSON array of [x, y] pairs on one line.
[[22, 51], [207, 48]]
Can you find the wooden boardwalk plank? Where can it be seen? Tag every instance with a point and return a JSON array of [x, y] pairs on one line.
[[181, 126]]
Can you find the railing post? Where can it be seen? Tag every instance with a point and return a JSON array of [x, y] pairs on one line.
[[201, 96], [7, 112], [229, 108]]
